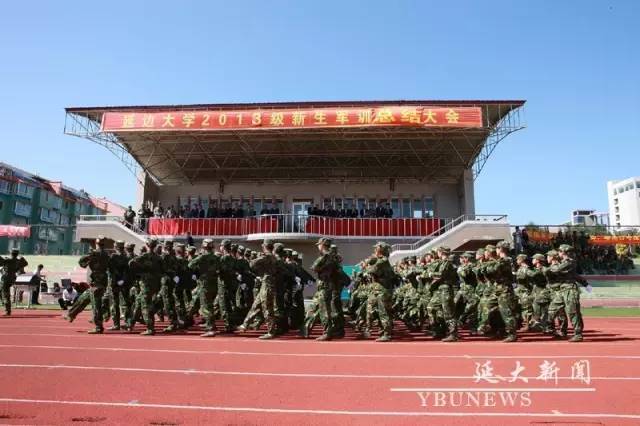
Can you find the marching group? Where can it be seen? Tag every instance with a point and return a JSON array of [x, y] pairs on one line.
[[487, 292]]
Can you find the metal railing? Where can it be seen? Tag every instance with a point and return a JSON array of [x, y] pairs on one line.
[[284, 224], [448, 226], [138, 226]]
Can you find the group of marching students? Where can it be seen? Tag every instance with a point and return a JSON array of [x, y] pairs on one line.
[[487, 292], [484, 291]]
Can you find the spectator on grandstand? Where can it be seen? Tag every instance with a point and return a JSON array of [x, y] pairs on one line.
[[517, 240], [129, 216], [251, 211], [158, 211], [190, 240], [212, 210], [69, 297], [237, 211], [525, 238]]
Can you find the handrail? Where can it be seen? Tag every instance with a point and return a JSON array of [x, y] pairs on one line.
[[449, 225], [135, 227]]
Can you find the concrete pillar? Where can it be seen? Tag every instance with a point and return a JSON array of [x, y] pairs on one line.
[[467, 193]]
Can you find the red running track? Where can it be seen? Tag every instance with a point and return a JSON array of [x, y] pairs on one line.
[[54, 373]]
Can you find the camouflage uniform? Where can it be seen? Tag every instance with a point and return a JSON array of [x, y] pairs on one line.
[[98, 262], [184, 286], [554, 284], [541, 295], [383, 280], [10, 268], [119, 285], [326, 268], [266, 267], [567, 299], [207, 266], [488, 303], [441, 308], [524, 292], [227, 285], [170, 277], [466, 296], [500, 272], [148, 267]]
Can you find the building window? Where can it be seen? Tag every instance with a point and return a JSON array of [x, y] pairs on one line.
[[22, 209], [406, 207], [417, 212], [5, 187], [49, 215], [24, 190], [428, 207]]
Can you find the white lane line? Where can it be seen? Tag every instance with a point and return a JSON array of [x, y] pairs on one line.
[[274, 374], [323, 355], [80, 334], [315, 411], [492, 389]]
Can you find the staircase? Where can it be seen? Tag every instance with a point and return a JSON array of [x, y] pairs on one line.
[[463, 233]]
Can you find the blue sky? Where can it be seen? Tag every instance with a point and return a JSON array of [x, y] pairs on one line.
[[577, 63]]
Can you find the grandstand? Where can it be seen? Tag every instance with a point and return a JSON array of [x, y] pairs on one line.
[[418, 159]]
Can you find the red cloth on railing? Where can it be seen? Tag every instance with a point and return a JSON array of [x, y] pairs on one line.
[[216, 226], [398, 227]]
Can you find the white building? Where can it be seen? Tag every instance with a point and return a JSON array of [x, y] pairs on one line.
[[624, 202], [586, 217]]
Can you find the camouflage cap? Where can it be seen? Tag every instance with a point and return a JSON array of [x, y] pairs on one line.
[[490, 247], [565, 248], [433, 252], [503, 245], [241, 249], [521, 256], [192, 248], [207, 243], [226, 244], [384, 247], [130, 245], [268, 244], [444, 249], [469, 255], [552, 253], [480, 252], [538, 256], [325, 242], [179, 246], [278, 248], [412, 259], [152, 242], [119, 243], [168, 243], [234, 248], [294, 254], [15, 251]]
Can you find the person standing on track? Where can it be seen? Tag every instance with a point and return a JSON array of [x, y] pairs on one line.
[[119, 285]]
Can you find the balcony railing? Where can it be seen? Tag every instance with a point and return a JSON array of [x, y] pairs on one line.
[[285, 224]]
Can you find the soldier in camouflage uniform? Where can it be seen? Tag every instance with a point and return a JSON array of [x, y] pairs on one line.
[[182, 289], [98, 262], [425, 279], [554, 282], [501, 274], [358, 298], [325, 267], [227, 285], [488, 303], [383, 281], [266, 267], [207, 267], [11, 267], [339, 281], [296, 300], [466, 297], [285, 281], [441, 307], [524, 291], [170, 278], [541, 295], [567, 299], [148, 267], [244, 292], [119, 285]]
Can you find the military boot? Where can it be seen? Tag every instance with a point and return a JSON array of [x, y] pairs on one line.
[[576, 338], [510, 338], [384, 338]]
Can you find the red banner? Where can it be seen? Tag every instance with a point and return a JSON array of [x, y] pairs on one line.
[[614, 239], [411, 116], [218, 226], [15, 231], [541, 236]]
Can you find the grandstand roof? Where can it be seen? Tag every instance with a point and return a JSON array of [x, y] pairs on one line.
[[358, 153]]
